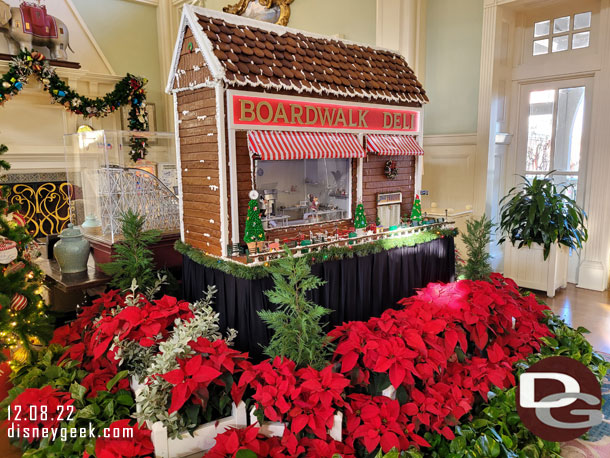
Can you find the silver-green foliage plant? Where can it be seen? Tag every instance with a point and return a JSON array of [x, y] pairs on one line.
[[154, 396], [477, 238], [298, 332]]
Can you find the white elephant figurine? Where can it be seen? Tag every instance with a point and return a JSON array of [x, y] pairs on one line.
[[30, 25]]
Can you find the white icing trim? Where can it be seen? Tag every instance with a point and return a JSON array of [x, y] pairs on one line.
[[204, 46], [359, 171], [176, 57], [207, 83], [324, 91], [222, 166], [179, 167], [233, 183], [216, 68]]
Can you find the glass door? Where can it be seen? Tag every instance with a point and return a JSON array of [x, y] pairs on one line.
[[555, 127]]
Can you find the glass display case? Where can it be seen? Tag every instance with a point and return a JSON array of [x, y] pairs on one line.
[[106, 182]]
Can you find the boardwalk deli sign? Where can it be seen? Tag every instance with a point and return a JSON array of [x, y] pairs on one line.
[[255, 112]]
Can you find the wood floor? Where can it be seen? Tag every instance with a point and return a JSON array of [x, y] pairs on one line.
[[583, 307], [578, 307]]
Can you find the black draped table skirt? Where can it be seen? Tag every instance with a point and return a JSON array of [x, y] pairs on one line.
[[356, 288]]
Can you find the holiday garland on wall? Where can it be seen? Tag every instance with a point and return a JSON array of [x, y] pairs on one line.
[[129, 91], [23, 321]]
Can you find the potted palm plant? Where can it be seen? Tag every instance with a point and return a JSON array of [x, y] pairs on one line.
[[542, 223]]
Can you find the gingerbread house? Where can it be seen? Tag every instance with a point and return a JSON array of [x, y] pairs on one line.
[[314, 124]]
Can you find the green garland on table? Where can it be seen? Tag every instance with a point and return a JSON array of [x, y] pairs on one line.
[[129, 91], [332, 253]]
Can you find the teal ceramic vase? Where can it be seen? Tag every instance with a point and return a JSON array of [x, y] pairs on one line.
[[72, 251]]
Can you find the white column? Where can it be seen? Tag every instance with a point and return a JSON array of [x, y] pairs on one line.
[[401, 26], [166, 23], [485, 135], [593, 272]]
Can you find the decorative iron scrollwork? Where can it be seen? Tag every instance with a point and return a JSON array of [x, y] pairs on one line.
[[46, 206]]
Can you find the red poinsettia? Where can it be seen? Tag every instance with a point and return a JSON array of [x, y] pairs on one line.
[[132, 441], [97, 380], [377, 421], [26, 410], [305, 399], [446, 345], [235, 439], [212, 363]]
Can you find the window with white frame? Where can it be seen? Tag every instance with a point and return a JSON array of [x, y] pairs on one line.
[[562, 34], [295, 192]]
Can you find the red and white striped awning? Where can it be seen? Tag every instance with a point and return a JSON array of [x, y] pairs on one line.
[[393, 145], [277, 146]]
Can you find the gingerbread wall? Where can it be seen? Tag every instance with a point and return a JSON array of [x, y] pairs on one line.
[[375, 182]]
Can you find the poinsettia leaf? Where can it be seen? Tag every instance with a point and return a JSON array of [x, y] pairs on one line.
[[174, 377], [180, 394], [299, 423], [244, 453]]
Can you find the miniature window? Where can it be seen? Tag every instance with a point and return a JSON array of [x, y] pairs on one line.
[[303, 191], [567, 32]]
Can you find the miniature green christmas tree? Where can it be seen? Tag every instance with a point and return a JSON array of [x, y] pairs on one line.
[[254, 226], [23, 318], [359, 217], [416, 211]]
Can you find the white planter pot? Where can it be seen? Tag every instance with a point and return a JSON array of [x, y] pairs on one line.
[[389, 392], [527, 267], [134, 384], [203, 438], [276, 428]]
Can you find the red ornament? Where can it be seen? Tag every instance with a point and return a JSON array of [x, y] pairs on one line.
[[14, 267], [19, 302], [19, 219]]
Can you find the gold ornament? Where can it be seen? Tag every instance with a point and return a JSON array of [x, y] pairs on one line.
[[21, 355]]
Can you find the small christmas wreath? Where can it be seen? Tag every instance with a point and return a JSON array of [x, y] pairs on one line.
[[391, 170]]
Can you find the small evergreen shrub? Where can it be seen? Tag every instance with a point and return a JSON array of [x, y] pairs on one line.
[[476, 238], [298, 333], [133, 259]]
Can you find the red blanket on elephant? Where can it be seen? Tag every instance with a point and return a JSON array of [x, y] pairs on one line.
[[37, 22]]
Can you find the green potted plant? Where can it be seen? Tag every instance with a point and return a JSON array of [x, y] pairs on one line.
[[542, 223]]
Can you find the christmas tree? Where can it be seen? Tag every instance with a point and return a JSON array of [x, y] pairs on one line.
[[23, 321], [254, 226], [416, 211], [360, 217]]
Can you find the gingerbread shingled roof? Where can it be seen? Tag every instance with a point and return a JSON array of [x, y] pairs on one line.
[[256, 54]]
